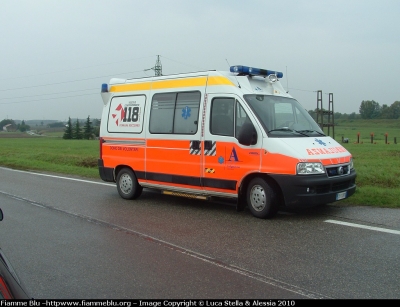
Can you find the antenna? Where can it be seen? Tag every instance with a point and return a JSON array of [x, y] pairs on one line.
[[235, 76], [287, 82]]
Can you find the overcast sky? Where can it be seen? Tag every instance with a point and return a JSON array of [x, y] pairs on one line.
[[56, 54]]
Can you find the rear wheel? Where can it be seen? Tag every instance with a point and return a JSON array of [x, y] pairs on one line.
[[261, 199], [127, 184]]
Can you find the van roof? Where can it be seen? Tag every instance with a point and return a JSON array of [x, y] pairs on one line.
[[247, 80], [236, 70]]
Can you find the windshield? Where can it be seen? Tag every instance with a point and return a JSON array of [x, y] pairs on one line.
[[282, 116]]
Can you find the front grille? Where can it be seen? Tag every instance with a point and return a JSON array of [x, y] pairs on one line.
[[322, 189], [334, 187], [341, 185], [339, 170]]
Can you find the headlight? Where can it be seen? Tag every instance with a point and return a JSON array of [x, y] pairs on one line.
[[305, 168], [351, 163]]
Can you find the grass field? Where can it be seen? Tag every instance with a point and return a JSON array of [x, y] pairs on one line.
[[377, 163], [379, 127], [52, 154]]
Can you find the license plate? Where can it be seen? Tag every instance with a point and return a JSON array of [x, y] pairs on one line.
[[341, 195]]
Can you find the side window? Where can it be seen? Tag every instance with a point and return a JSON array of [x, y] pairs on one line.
[[176, 113], [162, 113], [187, 113], [222, 116], [241, 118]]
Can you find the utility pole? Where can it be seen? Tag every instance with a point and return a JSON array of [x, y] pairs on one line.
[[157, 68]]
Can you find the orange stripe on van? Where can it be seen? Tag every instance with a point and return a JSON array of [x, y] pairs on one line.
[[171, 157], [281, 164], [162, 84], [334, 161], [130, 150], [218, 80], [184, 82], [176, 83], [278, 164], [173, 144], [131, 87]]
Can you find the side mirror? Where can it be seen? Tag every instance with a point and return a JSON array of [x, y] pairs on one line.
[[1, 215], [247, 135]]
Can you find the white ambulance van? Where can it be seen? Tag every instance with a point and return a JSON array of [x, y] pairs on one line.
[[216, 134]]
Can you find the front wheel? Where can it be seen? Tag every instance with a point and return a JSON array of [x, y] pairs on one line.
[[127, 184], [261, 199]]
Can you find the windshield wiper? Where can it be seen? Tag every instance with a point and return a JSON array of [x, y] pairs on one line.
[[288, 130], [312, 131], [281, 129]]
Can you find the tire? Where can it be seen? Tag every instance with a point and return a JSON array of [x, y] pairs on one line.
[[261, 199], [127, 185]]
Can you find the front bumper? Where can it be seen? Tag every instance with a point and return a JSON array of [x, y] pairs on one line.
[[312, 190]]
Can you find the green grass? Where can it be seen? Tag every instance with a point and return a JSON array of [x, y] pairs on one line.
[[379, 127], [377, 164], [378, 174], [75, 157]]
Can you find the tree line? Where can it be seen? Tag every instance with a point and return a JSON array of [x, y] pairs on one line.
[[75, 131], [337, 115], [10, 123], [370, 109], [89, 130]]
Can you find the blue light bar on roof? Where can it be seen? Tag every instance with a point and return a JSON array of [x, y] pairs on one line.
[[104, 88], [245, 70]]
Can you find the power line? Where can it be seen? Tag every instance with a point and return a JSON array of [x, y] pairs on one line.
[[182, 63], [296, 89], [49, 98], [72, 69], [90, 89], [56, 83], [157, 68]]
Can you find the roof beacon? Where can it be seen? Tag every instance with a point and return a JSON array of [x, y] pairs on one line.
[[245, 70], [104, 88]]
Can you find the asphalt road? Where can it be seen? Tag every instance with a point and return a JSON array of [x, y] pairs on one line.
[[76, 238]]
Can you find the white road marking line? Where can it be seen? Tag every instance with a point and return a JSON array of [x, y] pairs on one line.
[[396, 232], [188, 252], [54, 176]]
